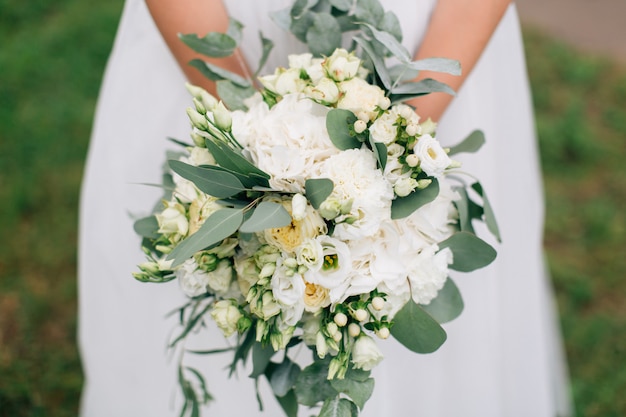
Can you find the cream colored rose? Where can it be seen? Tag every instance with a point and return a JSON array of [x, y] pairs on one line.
[[360, 97], [325, 91], [289, 237], [342, 65], [315, 297]]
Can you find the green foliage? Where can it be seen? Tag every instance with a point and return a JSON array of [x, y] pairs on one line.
[[448, 304], [470, 252], [317, 190], [403, 206], [417, 330], [267, 215]]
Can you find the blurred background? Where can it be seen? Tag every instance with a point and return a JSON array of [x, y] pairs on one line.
[[52, 55]]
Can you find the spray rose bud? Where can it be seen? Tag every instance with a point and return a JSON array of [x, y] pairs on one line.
[[360, 126], [197, 120], [325, 91], [330, 208], [340, 319], [226, 315], [412, 160], [354, 329], [404, 186], [223, 119], [342, 65], [298, 207], [413, 129], [378, 303], [365, 353], [421, 184]]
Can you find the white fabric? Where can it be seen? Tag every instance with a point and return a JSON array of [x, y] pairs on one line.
[[503, 355]]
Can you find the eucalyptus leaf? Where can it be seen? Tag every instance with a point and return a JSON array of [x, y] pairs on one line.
[[390, 24], [214, 44], [369, 11], [300, 25], [312, 385], [261, 356], [462, 207], [210, 180], [284, 377], [235, 30], [233, 95], [324, 36], [338, 407], [470, 252], [358, 391], [191, 323], [216, 73], [339, 124], [380, 150], [472, 143], [233, 160], [445, 65], [403, 207], [426, 86], [289, 403], [322, 6], [220, 225], [245, 343], [448, 304], [377, 60], [282, 18], [490, 216], [318, 190], [266, 46], [391, 43], [301, 6], [147, 227], [343, 5], [267, 215], [402, 73], [417, 330]]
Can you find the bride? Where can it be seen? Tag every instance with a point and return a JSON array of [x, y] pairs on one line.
[[503, 355]]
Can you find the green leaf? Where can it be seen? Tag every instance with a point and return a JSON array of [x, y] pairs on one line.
[[470, 252], [377, 60], [391, 43], [402, 73], [380, 150], [470, 144], [313, 386], [210, 180], [245, 343], [390, 24], [403, 207], [318, 190], [261, 356], [301, 6], [215, 73], [324, 36], [448, 304], [338, 407], [445, 65], [300, 25], [358, 391], [282, 18], [284, 377], [147, 227], [233, 160], [190, 324], [417, 330], [338, 124], [235, 30], [343, 5], [490, 216], [216, 228], [289, 403], [214, 44], [267, 45], [426, 86], [463, 207], [369, 11], [267, 215], [233, 95]]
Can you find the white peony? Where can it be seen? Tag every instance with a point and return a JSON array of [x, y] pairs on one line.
[[428, 272], [433, 158], [193, 281]]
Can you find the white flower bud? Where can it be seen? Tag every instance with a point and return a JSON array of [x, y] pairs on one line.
[[360, 314], [413, 129], [198, 140], [428, 127], [360, 126], [223, 119], [197, 119], [341, 65], [199, 106], [412, 160], [404, 186], [298, 207], [337, 337], [290, 263], [354, 329], [421, 184], [383, 333], [384, 103], [267, 270], [378, 303], [332, 328], [340, 319], [320, 345]]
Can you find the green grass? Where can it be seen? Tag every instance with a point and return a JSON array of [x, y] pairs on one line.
[[51, 61]]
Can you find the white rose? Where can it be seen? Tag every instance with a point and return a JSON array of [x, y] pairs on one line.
[[433, 159], [300, 61], [193, 281], [316, 70], [220, 279], [316, 297], [360, 97], [226, 315], [325, 91], [384, 129], [365, 353], [172, 220], [342, 65], [288, 289]]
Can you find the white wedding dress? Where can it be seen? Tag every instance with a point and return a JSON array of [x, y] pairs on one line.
[[503, 356]]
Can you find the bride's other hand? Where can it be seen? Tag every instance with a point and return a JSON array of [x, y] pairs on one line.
[[174, 17], [459, 29]]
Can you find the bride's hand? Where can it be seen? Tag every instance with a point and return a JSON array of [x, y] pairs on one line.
[[458, 29], [193, 16]]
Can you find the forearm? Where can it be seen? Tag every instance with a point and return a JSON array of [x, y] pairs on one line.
[[193, 16], [460, 30]]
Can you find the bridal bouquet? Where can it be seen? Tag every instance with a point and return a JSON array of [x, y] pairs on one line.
[[317, 209]]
